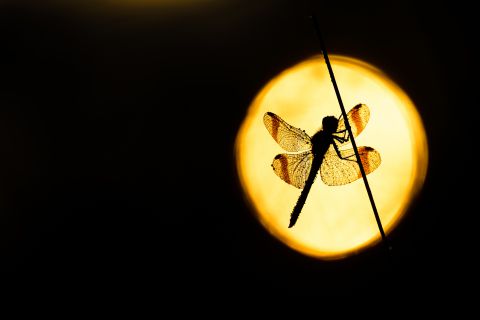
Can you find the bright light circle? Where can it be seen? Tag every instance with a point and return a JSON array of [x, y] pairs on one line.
[[335, 221]]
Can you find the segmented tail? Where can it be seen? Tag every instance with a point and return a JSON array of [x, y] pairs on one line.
[[303, 196]]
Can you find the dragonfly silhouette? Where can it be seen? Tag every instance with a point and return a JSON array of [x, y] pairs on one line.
[[320, 152]]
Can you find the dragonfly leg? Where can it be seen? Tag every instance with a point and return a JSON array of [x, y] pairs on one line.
[[345, 136], [340, 139], [340, 155]]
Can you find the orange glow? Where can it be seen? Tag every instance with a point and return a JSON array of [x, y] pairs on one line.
[[159, 3], [335, 221]]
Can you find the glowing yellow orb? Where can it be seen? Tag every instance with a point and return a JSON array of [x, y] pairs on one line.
[[335, 221]]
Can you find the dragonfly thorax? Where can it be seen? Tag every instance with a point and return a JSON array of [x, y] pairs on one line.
[[321, 141], [323, 138]]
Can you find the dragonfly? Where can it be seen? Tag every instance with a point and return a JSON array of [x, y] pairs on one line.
[[320, 153]]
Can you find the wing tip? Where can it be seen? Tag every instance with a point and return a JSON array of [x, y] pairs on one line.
[[267, 117]]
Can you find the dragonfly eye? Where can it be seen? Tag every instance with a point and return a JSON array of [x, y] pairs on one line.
[[330, 124]]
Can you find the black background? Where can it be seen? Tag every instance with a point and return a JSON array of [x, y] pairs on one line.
[[117, 129]]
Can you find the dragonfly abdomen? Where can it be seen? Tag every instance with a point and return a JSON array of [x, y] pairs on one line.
[[317, 161]]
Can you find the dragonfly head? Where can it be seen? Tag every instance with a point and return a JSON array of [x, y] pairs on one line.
[[330, 124]]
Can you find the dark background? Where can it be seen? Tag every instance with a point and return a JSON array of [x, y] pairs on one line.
[[117, 129]]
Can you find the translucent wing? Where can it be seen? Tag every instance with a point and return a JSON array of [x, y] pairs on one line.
[[358, 118], [289, 138], [335, 171], [293, 168]]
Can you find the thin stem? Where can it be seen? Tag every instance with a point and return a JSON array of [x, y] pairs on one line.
[[347, 124]]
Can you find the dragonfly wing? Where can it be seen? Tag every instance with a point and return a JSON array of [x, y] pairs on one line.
[[335, 171], [357, 117], [288, 137], [293, 168]]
